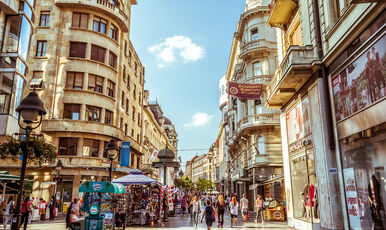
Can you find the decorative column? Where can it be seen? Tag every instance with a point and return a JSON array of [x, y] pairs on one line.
[[82, 114], [79, 147], [85, 81], [101, 148]]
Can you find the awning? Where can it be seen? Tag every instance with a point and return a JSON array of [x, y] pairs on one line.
[[102, 187], [134, 178]]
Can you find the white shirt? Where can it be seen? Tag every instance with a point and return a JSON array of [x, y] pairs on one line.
[[8, 208], [195, 206], [244, 203], [234, 208]]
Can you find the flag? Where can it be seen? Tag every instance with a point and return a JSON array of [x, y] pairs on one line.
[[154, 155]]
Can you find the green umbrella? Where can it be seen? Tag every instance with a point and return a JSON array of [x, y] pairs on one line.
[[102, 187]]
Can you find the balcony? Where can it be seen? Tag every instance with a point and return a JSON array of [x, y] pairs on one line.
[[255, 121], [282, 12], [296, 68], [256, 49], [261, 79], [76, 126], [101, 6]]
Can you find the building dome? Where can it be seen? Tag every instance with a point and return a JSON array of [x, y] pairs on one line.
[[166, 153]]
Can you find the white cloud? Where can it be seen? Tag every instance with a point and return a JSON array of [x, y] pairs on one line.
[[176, 48], [199, 119]]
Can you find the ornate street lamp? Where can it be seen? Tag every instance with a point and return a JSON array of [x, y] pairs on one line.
[[58, 178], [112, 153], [31, 109]]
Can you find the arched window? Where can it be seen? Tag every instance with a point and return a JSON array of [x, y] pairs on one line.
[[260, 144]]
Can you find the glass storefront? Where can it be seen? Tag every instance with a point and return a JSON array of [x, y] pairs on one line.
[[364, 163]]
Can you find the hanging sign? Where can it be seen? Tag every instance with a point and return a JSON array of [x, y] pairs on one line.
[[245, 91], [154, 155]]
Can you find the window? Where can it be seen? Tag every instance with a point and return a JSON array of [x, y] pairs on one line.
[[132, 132], [296, 36], [44, 18], [108, 117], [139, 98], [98, 53], [124, 73], [135, 68], [78, 49], [112, 60], [121, 123], [127, 105], [93, 113], [132, 161], [71, 111], [114, 32], [260, 145], [125, 129], [133, 115], [135, 92], [80, 20], [125, 51], [41, 49], [256, 69], [99, 25], [130, 58], [37, 80], [95, 83], [74, 80], [138, 142], [67, 145], [139, 119], [110, 88], [90, 147], [123, 99], [254, 35], [128, 81]]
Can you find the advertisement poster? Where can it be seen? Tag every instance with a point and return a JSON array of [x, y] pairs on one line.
[[298, 122], [246, 91], [154, 155], [352, 198], [362, 82]]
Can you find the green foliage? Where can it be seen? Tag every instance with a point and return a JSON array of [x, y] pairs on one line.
[[185, 183], [204, 185], [39, 151]]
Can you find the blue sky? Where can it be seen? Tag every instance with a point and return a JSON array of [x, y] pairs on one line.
[[185, 45]]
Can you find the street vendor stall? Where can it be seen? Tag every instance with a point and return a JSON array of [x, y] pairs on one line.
[[98, 204], [143, 198]]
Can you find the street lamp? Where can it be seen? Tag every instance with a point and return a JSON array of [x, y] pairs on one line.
[[58, 178], [112, 153], [31, 108]]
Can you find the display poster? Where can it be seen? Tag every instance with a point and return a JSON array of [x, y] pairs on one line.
[[125, 154], [298, 122], [154, 155], [352, 198], [362, 82]]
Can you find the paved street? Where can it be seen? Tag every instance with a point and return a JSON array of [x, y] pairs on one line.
[[173, 223]]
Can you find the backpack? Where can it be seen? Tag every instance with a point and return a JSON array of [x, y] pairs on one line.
[[209, 213]]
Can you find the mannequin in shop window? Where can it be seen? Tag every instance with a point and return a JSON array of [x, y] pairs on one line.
[[375, 201]]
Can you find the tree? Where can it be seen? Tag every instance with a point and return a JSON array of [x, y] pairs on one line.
[[185, 183], [204, 184]]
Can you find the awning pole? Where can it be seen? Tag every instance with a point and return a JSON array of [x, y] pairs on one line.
[[4, 188]]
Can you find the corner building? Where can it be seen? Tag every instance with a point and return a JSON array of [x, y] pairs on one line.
[[90, 78]]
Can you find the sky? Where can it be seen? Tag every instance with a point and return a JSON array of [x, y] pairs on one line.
[[184, 46]]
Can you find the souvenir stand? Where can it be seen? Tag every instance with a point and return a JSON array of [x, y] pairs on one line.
[[143, 198], [98, 204]]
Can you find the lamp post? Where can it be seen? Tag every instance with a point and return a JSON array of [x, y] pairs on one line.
[[31, 108], [112, 153], [58, 178]]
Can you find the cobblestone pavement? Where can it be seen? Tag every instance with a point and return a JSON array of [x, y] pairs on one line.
[[173, 223]]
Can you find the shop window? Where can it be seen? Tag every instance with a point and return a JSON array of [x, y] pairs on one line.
[[108, 117], [74, 80], [254, 34], [95, 83], [68, 145], [90, 147], [256, 69], [80, 20], [93, 113], [71, 111], [99, 25], [112, 60], [44, 18], [78, 49], [114, 32], [98, 53], [37, 80], [41, 48], [110, 88]]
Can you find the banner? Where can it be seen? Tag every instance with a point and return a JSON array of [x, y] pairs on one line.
[[353, 207], [246, 91], [125, 154], [154, 155], [298, 121]]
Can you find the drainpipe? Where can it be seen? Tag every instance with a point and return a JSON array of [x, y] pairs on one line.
[[330, 131]]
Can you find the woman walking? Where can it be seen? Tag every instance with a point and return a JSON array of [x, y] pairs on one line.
[[220, 209], [25, 210], [259, 209], [209, 214], [196, 210], [183, 205], [9, 210], [234, 206]]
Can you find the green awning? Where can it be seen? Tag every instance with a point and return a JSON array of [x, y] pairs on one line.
[[102, 187]]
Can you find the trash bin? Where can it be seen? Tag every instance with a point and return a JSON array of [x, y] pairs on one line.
[[94, 222]]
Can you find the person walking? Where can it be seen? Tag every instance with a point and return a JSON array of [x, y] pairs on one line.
[[244, 207], [196, 210], [234, 207], [229, 199], [183, 205], [209, 214], [51, 207], [220, 209], [25, 210], [259, 209], [9, 210], [165, 207]]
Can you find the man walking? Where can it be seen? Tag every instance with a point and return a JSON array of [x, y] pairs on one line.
[[244, 207]]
